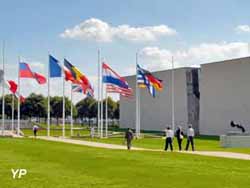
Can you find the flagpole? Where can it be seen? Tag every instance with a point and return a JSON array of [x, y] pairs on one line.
[[18, 104], [71, 111], [101, 103], [3, 98], [12, 112], [63, 113], [106, 114], [98, 91], [48, 115], [173, 93], [137, 101]]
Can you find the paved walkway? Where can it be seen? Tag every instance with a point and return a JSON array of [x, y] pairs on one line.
[[223, 154]]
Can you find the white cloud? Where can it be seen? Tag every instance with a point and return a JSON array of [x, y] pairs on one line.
[[98, 30], [243, 28], [155, 58]]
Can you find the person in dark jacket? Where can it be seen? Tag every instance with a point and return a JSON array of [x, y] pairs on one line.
[[179, 135], [129, 137]]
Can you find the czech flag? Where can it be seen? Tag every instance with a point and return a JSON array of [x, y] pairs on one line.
[[25, 72]]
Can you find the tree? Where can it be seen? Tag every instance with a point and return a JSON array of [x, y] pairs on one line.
[[117, 110], [87, 108], [8, 105], [34, 106], [56, 104], [112, 105]]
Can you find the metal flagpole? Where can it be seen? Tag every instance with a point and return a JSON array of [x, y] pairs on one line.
[[63, 113], [3, 97], [137, 99], [12, 112], [101, 104], [71, 111], [18, 104], [48, 115], [98, 91], [173, 93], [139, 112], [106, 114]]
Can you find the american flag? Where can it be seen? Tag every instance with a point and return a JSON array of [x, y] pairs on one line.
[[122, 91]]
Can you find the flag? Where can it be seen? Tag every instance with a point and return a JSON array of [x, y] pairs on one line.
[[54, 67], [25, 72], [111, 77], [39, 78], [12, 86], [78, 88], [69, 77], [77, 77], [115, 83], [18, 95], [146, 79], [114, 89]]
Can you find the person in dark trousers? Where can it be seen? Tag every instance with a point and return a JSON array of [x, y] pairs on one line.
[[179, 135], [190, 138], [169, 139], [129, 137], [35, 129]]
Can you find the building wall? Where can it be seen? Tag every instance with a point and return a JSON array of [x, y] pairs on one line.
[[225, 96], [156, 112]]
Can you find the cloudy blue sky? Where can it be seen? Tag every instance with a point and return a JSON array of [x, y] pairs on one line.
[[192, 31]]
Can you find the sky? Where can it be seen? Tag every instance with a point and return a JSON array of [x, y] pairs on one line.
[[192, 31]]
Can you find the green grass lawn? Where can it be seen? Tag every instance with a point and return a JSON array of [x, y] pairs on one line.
[[60, 165], [56, 132], [203, 143]]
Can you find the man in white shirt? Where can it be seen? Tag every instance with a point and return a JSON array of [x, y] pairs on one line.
[[169, 139], [190, 137]]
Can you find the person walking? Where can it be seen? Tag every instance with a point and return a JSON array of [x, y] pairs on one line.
[[190, 138], [179, 135], [35, 129], [169, 139], [92, 131], [129, 137]]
